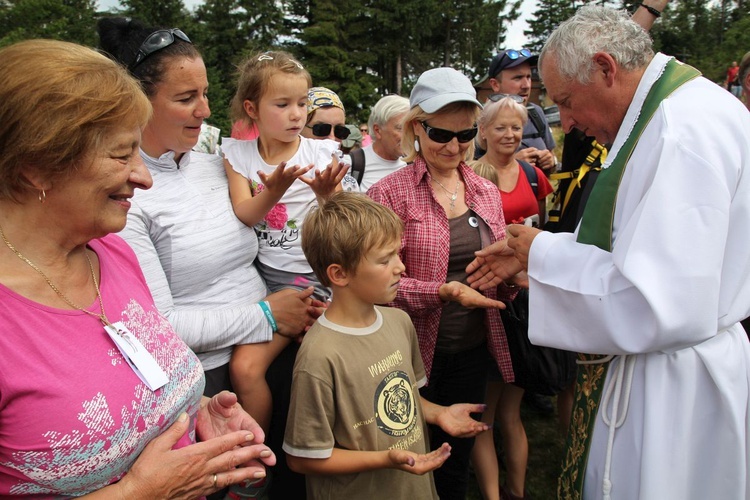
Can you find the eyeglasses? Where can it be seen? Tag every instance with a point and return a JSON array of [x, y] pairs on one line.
[[497, 97], [157, 41], [363, 130], [443, 136], [515, 54], [324, 130]]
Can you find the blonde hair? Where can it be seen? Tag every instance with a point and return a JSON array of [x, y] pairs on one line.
[[254, 74], [416, 115], [58, 101], [491, 110], [343, 229], [485, 170]]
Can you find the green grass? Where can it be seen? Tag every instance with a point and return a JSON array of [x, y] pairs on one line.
[[546, 445]]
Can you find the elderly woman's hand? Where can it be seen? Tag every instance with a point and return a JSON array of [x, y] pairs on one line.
[[294, 311], [195, 470], [325, 183], [467, 296]]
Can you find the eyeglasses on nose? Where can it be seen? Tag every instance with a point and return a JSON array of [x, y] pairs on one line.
[[324, 130], [497, 97], [157, 41], [363, 130], [443, 136]]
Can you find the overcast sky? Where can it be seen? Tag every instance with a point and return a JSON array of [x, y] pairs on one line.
[[515, 38]]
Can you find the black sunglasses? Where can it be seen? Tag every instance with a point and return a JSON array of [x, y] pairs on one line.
[[442, 136], [157, 41], [497, 97], [324, 130]]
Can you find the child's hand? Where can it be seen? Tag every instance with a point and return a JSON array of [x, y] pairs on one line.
[[419, 464], [456, 420], [278, 181], [325, 183]]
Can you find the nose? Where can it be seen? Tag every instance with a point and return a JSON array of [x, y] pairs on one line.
[[526, 83], [400, 267], [202, 110], [139, 174], [567, 121], [453, 145]]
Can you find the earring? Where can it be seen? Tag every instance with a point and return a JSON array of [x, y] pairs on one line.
[[416, 145], [42, 196]]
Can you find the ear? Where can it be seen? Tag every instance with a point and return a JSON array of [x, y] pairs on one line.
[[250, 109], [35, 178], [606, 66], [495, 84], [376, 131], [337, 275]]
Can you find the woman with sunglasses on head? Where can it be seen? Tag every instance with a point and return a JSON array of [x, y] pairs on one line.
[[99, 397], [196, 256], [449, 213], [500, 130]]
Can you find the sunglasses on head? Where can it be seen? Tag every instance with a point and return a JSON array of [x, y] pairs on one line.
[[324, 130], [497, 97], [443, 136], [157, 41], [515, 54]]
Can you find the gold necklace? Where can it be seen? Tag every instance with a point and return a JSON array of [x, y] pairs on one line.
[[451, 196], [102, 317]]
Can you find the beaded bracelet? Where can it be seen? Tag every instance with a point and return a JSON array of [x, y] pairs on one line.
[[266, 308], [651, 10]]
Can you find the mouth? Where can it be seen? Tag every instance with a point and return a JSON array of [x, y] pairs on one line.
[[122, 199]]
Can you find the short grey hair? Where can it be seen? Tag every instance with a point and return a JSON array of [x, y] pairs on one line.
[[597, 29], [386, 108]]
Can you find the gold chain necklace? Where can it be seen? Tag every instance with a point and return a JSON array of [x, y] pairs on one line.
[[451, 196], [102, 317]]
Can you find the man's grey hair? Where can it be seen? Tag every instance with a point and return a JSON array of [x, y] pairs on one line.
[[597, 29], [385, 109]]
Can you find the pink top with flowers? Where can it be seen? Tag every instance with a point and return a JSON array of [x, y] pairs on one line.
[[279, 244], [73, 415]]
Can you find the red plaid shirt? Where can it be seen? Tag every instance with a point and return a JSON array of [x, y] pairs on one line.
[[425, 248]]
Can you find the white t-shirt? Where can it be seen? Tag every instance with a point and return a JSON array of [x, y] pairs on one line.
[[279, 243], [376, 168]]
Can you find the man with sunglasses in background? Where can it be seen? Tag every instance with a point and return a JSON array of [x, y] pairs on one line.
[[510, 73]]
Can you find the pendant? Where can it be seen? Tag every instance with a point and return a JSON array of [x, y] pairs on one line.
[[453, 198]]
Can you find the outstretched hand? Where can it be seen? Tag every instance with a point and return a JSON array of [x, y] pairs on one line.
[[493, 265], [409, 461], [325, 183], [520, 242], [456, 420], [466, 296], [278, 181]]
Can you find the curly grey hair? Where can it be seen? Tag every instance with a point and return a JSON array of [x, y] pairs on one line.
[[597, 29]]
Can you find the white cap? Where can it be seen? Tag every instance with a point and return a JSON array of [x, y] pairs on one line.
[[438, 87]]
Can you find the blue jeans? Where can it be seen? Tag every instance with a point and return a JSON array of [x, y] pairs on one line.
[[456, 378]]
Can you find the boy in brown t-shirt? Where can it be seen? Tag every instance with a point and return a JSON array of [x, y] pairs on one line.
[[356, 420]]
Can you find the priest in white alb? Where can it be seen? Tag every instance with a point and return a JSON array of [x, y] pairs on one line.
[[654, 282]]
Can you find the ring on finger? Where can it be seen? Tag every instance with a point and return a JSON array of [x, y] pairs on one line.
[[215, 478]]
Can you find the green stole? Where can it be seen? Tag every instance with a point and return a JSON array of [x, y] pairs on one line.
[[596, 229]]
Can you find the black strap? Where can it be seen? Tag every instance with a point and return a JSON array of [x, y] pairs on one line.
[[358, 164], [538, 123], [530, 172]]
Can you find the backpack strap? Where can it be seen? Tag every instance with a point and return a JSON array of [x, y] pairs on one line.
[[538, 123], [530, 172], [358, 164]]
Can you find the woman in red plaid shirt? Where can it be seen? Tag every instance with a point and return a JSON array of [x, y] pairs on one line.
[[449, 212]]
